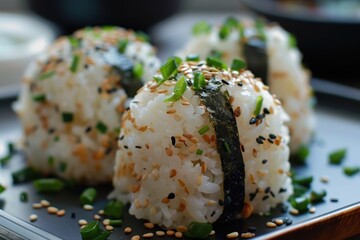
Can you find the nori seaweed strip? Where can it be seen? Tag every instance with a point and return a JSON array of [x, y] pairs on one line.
[[228, 145], [256, 57], [123, 66]]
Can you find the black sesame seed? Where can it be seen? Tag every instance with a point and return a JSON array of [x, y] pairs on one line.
[[260, 116], [122, 137], [51, 130], [212, 214], [253, 195], [334, 200], [88, 129], [135, 102], [287, 221], [189, 83], [126, 147], [259, 140], [272, 194], [171, 196], [221, 202], [270, 141], [139, 147], [267, 190], [224, 82], [108, 151], [284, 209], [252, 229], [173, 140], [127, 109], [73, 215], [99, 90], [272, 136], [86, 66], [262, 137], [265, 197], [266, 111], [282, 190], [252, 121], [110, 91], [240, 84], [264, 161]]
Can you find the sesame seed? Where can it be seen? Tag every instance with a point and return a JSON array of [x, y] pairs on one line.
[[324, 179], [127, 230], [136, 237], [272, 136], [106, 222], [149, 225], [37, 205], [45, 203], [170, 233], [33, 217], [178, 234], [247, 235], [287, 221], [312, 210], [181, 228], [52, 210], [82, 222], [148, 235], [61, 213], [232, 235], [294, 211], [109, 228], [97, 217], [264, 161], [171, 196], [88, 207], [101, 212], [73, 215], [252, 121], [160, 233], [334, 200], [270, 225], [279, 221], [212, 233]]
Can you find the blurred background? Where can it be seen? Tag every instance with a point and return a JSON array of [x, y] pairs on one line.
[[328, 31]]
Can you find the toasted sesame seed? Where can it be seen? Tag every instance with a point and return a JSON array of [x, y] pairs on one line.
[[279, 221], [247, 235], [170, 233], [148, 235], [136, 237], [106, 222], [127, 230], [160, 233], [312, 210], [270, 225], [61, 213], [33, 217], [324, 179], [81, 227], [294, 211], [52, 210], [149, 225], [45, 203], [181, 228], [109, 228], [37, 205], [88, 207], [232, 235], [82, 222], [178, 234], [97, 217], [212, 233], [101, 212]]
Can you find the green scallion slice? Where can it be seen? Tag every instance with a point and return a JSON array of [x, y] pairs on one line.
[[241, 31], [159, 80], [39, 98], [300, 203], [75, 63], [316, 197], [299, 190], [48, 185], [91, 231], [224, 32], [51, 160], [168, 69], [114, 208], [62, 166], [115, 223], [203, 130], [336, 157], [25, 175], [201, 28], [46, 75], [350, 171], [108, 28], [238, 65], [88, 196], [11, 148], [292, 41], [5, 160], [56, 138], [199, 152], [232, 22], [216, 54], [198, 230], [2, 188], [101, 127], [227, 148], [260, 28], [24, 197], [215, 62], [303, 181], [67, 117], [199, 81], [142, 36], [122, 44], [138, 70], [179, 89], [193, 57], [74, 42], [117, 130], [259, 102], [301, 154]]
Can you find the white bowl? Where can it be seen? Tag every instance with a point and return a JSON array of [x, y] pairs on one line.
[[22, 38]]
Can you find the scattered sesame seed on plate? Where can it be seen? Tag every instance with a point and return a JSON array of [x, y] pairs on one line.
[[148, 235], [109, 228], [247, 235], [61, 213], [97, 217], [312, 210], [324, 179], [127, 230], [136, 237], [88, 207], [178, 234], [279, 221], [45, 203], [170, 233], [294, 211], [181, 228], [33, 217], [232, 235], [160, 233], [101, 212], [52, 210], [82, 222], [106, 222], [37, 205], [149, 225], [212, 233], [271, 225]]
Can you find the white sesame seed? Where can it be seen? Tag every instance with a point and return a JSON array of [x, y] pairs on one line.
[[106, 221], [88, 207], [271, 225], [232, 235], [52, 210], [294, 211], [109, 228], [178, 234], [324, 179], [127, 230], [149, 225], [212, 233], [160, 233], [97, 217], [45, 203], [312, 210], [33, 217], [37, 205], [279, 221], [61, 213], [148, 235], [247, 235], [181, 228], [101, 212], [136, 237], [170, 233], [82, 222]]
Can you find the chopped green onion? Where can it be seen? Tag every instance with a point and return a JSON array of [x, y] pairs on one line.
[[227, 148], [301, 154], [117, 130], [224, 32], [216, 54], [168, 69], [92, 231], [48, 185], [300, 203], [350, 171], [203, 130], [237, 65], [142, 36], [51, 160], [199, 81], [232, 22], [24, 197], [101, 127], [108, 28], [114, 208], [199, 152], [292, 41], [299, 190], [116, 223], [179, 89], [67, 117], [46, 75], [88, 196], [201, 28], [260, 28], [11, 148], [303, 181], [159, 80], [39, 98], [5, 160], [336, 157], [241, 31], [122, 44], [25, 175], [215, 62], [316, 197], [138, 70], [259, 101], [74, 42], [193, 57], [56, 138], [2, 188], [62, 166], [75, 63], [198, 230]]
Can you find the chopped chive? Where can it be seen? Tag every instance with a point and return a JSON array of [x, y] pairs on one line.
[[138, 70], [74, 42], [260, 28], [24, 197], [350, 171], [259, 101], [201, 28], [2, 188], [198, 230], [199, 152], [227, 148], [237, 65], [336, 157], [122, 44], [67, 117], [56, 138], [25, 175], [92, 231], [48, 185], [101, 127], [232, 22], [39, 98], [159, 80], [292, 41], [215, 62], [179, 89], [11, 148], [117, 130], [62, 166], [5, 160], [299, 190], [75, 63], [303, 181], [199, 81], [114, 208], [301, 154], [300, 203], [193, 57], [224, 32], [88, 196], [203, 130], [316, 197], [108, 28], [115, 223], [46, 75], [168, 69], [142, 36], [51, 160]]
